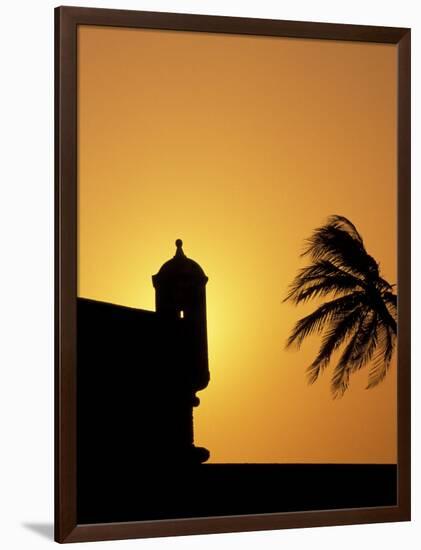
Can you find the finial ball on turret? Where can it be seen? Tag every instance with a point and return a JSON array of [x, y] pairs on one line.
[[178, 243]]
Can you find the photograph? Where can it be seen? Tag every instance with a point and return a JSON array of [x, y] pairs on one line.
[[232, 274], [237, 274]]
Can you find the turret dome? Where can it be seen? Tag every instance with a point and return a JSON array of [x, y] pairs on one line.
[[180, 267]]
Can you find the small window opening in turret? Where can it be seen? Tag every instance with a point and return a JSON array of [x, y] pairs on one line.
[[181, 313]]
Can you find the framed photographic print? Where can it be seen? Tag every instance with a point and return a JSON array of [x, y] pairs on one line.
[[232, 274]]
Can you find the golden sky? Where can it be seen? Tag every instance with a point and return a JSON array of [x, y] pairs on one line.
[[241, 146]]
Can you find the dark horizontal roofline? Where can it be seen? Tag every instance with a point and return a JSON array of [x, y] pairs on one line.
[[112, 305]]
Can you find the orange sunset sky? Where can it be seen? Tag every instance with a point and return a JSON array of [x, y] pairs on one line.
[[241, 146]]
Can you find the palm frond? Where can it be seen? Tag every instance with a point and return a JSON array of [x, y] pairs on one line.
[[340, 222], [320, 279], [367, 342], [383, 285], [342, 371], [332, 285], [383, 357], [316, 321], [391, 299], [339, 242], [332, 340], [391, 302]]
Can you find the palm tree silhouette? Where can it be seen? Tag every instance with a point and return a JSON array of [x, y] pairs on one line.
[[362, 316]]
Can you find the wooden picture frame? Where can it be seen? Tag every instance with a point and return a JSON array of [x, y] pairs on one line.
[[67, 21]]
